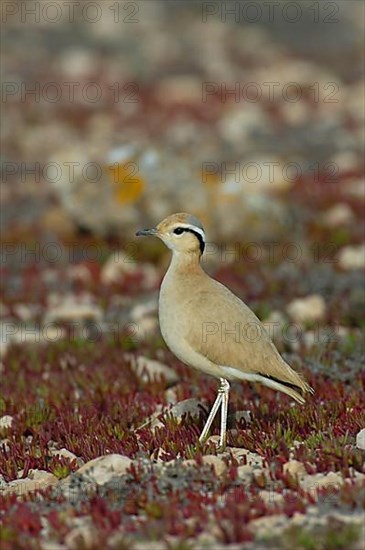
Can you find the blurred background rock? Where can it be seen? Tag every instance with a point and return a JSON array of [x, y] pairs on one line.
[[133, 115]]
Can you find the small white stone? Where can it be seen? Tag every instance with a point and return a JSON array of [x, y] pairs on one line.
[[317, 481], [218, 464], [294, 468], [171, 396], [103, 468], [245, 472], [71, 308], [37, 479], [187, 406], [147, 369], [339, 214], [6, 421], [80, 537], [352, 257], [271, 497], [310, 308], [360, 439]]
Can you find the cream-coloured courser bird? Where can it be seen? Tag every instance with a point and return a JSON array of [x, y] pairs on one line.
[[209, 328]]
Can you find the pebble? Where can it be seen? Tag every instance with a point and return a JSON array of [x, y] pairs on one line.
[[171, 396], [339, 214], [120, 265], [218, 465], [310, 308], [70, 308], [6, 421], [318, 481], [352, 257], [187, 406], [294, 468], [147, 369], [252, 459], [245, 472], [46, 544], [103, 468], [360, 439], [271, 497], [36, 479], [269, 525], [80, 537], [239, 125]]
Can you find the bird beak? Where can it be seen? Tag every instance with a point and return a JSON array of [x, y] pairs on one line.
[[144, 232]]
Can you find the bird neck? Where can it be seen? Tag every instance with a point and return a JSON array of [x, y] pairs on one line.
[[186, 262]]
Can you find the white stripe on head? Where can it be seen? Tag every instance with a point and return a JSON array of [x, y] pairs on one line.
[[193, 228]]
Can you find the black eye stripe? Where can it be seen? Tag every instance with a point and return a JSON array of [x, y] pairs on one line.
[[180, 230]]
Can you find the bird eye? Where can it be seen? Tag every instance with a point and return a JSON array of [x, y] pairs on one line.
[[178, 230]]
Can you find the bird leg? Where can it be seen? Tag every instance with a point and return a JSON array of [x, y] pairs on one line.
[[221, 399], [224, 388]]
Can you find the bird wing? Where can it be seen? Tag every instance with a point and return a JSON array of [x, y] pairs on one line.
[[230, 334]]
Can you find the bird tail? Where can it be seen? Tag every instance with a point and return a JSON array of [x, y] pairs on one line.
[[295, 388]]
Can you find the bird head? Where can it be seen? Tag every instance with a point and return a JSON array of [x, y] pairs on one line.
[[180, 232]]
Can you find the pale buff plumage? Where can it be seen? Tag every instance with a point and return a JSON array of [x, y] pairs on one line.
[[209, 328]]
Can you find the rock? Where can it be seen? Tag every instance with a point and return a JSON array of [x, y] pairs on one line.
[[294, 468], [217, 463], [71, 308], [80, 537], [260, 477], [360, 439], [103, 468], [46, 544], [211, 460], [252, 459], [26, 312], [269, 525], [355, 189], [3, 483], [148, 369], [78, 272], [310, 308], [318, 481], [67, 454], [6, 421], [241, 125], [75, 63], [215, 440], [120, 265], [139, 545], [352, 257], [245, 472], [271, 497], [147, 327], [36, 480], [145, 309], [171, 396], [339, 214], [331, 479], [188, 406]]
